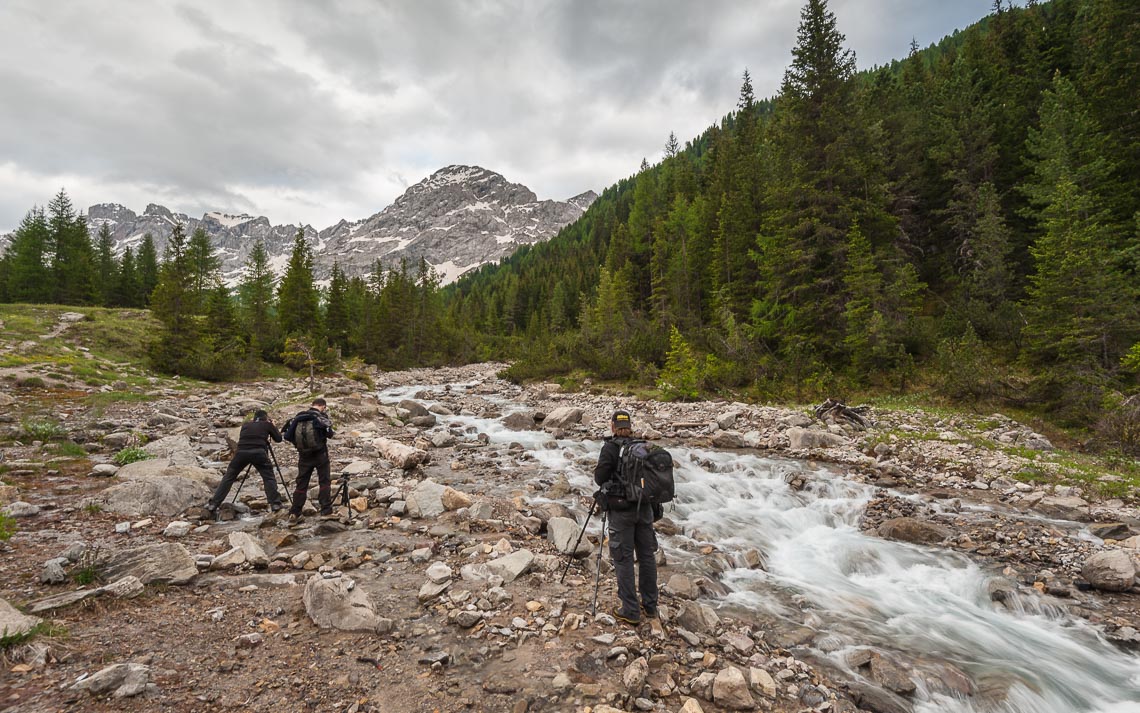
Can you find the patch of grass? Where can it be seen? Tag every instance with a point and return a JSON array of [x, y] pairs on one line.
[[92, 508], [7, 527], [130, 454], [31, 382], [42, 429], [85, 575], [44, 628], [70, 449]]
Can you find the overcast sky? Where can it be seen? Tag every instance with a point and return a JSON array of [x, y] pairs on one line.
[[307, 112]]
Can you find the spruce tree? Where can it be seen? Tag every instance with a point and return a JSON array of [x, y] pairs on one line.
[[337, 324], [147, 266], [1083, 312], [27, 256], [174, 304], [126, 291], [256, 300], [204, 264], [297, 298], [822, 179], [72, 265], [105, 266]]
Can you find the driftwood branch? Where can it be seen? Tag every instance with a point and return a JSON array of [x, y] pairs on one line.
[[832, 411]]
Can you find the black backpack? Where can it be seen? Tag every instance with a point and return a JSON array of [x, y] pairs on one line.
[[305, 435], [645, 472]]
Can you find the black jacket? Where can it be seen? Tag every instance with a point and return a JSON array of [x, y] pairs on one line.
[[323, 423], [609, 460], [255, 435]]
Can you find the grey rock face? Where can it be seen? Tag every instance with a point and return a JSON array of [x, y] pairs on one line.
[[804, 438], [457, 219], [908, 529]]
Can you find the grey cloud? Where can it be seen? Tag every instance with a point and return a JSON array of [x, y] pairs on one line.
[[208, 106]]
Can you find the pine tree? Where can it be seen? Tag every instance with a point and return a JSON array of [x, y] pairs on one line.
[[72, 265], [174, 304], [147, 265], [1083, 313], [105, 266], [256, 301], [823, 178], [297, 299], [337, 322], [126, 291], [672, 146], [27, 257], [204, 265]]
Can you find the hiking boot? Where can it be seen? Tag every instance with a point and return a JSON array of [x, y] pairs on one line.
[[210, 508], [625, 619], [276, 507], [295, 514], [649, 612], [325, 512]]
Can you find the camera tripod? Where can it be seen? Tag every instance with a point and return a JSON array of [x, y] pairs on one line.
[[280, 477]]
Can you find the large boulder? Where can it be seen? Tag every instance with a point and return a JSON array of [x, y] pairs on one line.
[[13, 623], [176, 450], [121, 680], [159, 467], [562, 417], [1110, 571], [163, 563], [399, 454], [426, 500], [520, 421], [1067, 507], [698, 618], [512, 566], [250, 547], [339, 604], [563, 533], [801, 439], [154, 495], [909, 529], [730, 690], [414, 408]]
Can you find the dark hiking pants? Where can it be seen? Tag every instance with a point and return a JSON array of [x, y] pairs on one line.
[[259, 459], [631, 533], [306, 464]]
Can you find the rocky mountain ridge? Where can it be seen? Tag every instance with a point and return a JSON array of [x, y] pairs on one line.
[[457, 219]]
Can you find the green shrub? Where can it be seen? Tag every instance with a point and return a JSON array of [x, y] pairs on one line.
[[42, 429], [7, 527], [130, 454], [85, 575], [32, 382], [71, 449]]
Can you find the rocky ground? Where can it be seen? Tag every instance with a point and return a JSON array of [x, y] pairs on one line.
[[437, 587]]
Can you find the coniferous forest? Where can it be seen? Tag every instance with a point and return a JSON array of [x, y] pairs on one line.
[[965, 222]]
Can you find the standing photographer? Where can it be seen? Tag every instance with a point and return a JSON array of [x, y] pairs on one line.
[[252, 448], [631, 530], [310, 431]]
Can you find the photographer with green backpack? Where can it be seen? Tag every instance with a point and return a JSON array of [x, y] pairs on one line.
[[309, 431], [635, 478]]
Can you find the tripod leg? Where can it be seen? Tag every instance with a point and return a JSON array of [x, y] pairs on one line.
[[574, 549], [281, 477], [598, 573], [241, 482]]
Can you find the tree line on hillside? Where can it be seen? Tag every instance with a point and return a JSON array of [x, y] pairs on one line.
[[966, 218], [392, 317], [51, 258]]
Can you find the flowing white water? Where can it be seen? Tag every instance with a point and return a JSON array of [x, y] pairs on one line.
[[931, 604]]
